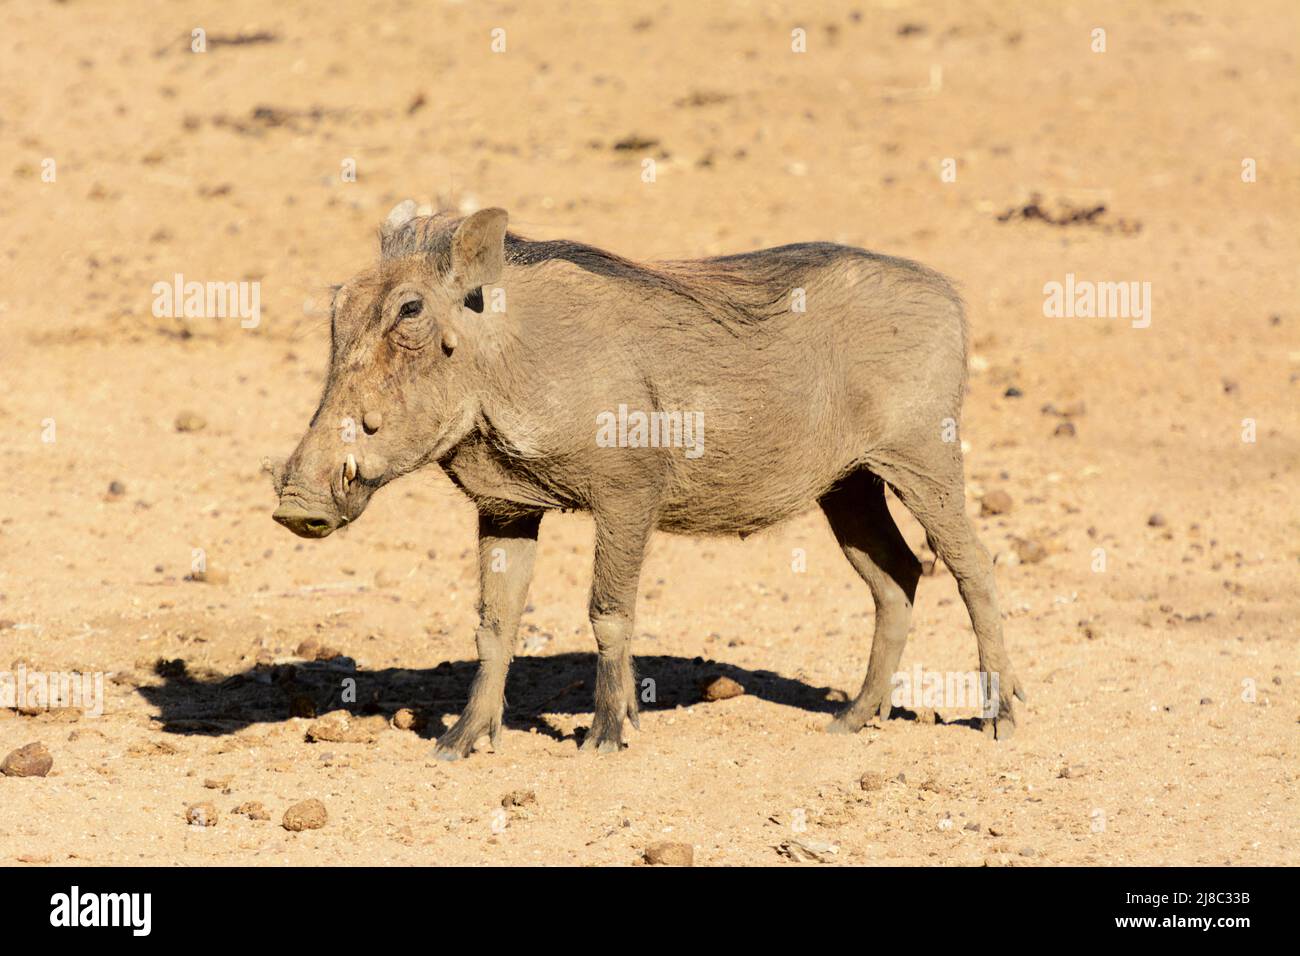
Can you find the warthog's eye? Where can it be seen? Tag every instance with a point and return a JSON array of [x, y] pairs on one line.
[[411, 309], [474, 301]]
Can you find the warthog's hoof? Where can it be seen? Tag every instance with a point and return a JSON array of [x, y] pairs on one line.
[[602, 745], [606, 734], [858, 714], [464, 734], [845, 724], [1003, 726]]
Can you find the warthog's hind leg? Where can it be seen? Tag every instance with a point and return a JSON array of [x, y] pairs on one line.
[[934, 491], [859, 516], [621, 538]]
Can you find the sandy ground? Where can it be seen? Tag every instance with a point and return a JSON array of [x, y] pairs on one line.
[[1162, 722]]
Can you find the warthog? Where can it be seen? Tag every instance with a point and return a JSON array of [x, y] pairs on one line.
[[811, 374]]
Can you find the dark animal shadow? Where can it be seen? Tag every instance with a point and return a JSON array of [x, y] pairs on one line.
[[215, 705]]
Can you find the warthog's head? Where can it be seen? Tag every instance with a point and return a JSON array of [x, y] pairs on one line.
[[393, 400]]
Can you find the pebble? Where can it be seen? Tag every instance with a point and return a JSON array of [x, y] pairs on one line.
[[1012, 392], [313, 650], [1065, 430], [254, 810], [307, 815], [116, 489], [33, 760], [670, 854], [721, 688], [407, 719], [339, 726], [519, 798], [872, 780], [201, 815], [210, 576], [803, 850], [996, 502], [188, 421], [1029, 551], [1157, 520]]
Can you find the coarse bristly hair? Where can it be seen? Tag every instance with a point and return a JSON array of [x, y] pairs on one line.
[[739, 290]]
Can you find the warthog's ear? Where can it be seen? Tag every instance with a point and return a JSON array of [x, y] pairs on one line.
[[478, 249]]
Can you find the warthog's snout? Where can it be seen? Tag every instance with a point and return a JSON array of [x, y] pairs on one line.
[[304, 521], [317, 499]]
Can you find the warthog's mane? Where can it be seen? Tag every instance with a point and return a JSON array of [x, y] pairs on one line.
[[739, 291]]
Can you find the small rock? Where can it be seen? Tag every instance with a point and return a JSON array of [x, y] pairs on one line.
[[1028, 851], [722, 688], [519, 798], [216, 783], [152, 748], [973, 827], [307, 815], [253, 809], [407, 719], [188, 421], [996, 502], [1157, 520], [804, 850], [210, 576], [1206, 701], [302, 706], [116, 489], [535, 643], [339, 726], [201, 815], [313, 650], [33, 760], [1012, 392], [1065, 430], [872, 780], [670, 854], [1029, 551]]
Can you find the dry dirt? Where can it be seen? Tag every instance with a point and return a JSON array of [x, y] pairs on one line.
[[1162, 722]]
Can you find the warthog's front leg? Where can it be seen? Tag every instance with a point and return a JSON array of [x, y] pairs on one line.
[[506, 548], [620, 547]]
